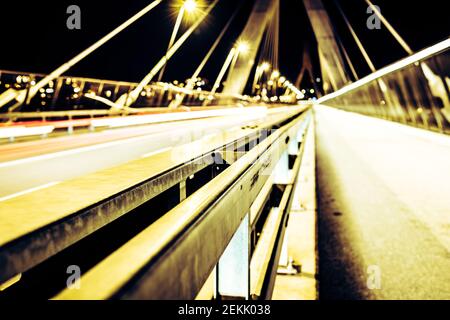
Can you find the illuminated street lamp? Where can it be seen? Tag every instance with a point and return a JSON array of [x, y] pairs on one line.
[[263, 67], [275, 74], [242, 47], [188, 6]]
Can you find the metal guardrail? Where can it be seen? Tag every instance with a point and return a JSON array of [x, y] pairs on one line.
[[413, 91], [173, 256]]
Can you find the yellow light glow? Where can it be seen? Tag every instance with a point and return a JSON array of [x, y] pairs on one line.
[[243, 47], [265, 66], [190, 5]]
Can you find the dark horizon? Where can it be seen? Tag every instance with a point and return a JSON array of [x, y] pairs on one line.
[[38, 41]]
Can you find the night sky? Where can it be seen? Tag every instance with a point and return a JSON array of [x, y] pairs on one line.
[[35, 37]]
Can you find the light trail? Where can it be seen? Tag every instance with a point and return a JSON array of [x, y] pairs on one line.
[[21, 193], [147, 155]]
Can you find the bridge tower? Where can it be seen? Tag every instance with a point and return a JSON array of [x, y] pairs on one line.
[[331, 61], [253, 32]]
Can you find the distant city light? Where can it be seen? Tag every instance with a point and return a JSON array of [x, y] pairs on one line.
[[265, 66]]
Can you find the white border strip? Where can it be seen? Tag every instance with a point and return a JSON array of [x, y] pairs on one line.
[[21, 193]]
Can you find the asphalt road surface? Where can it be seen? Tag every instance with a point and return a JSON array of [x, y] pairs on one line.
[[29, 166], [384, 209]]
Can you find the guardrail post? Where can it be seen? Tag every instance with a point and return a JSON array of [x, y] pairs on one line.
[[233, 269], [70, 126], [182, 190], [91, 126], [281, 174], [294, 147]]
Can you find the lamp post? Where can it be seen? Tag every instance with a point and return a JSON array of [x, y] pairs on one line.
[[241, 47], [188, 6]]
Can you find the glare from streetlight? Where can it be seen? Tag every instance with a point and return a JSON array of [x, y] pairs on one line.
[[265, 66], [190, 5], [243, 47]]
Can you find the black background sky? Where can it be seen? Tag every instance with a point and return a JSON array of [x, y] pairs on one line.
[[34, 37]]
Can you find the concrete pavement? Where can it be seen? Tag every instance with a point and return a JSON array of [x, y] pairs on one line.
[[383, 209]]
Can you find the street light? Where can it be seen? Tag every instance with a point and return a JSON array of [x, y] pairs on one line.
[[265, 66], [260, 69], [188, 6], [275, 74], [242, 47]]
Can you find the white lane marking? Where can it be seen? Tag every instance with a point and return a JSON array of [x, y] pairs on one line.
[[21, 193], [155, 152], [71, 151]]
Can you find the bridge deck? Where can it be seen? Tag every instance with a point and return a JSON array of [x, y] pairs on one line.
[[383, 201]]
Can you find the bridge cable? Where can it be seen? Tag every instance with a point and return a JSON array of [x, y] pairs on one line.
[[391, 29], [191, 82], [172, 38], [356, 38], [20, 96], [128, 99], [380, 82], [344, 51], [268, 59]]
